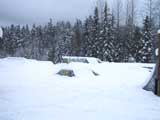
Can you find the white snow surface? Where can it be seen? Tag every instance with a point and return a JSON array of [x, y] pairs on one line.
[[31, 90], [159, 31]]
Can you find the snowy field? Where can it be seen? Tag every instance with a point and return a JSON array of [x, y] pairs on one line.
[[31, 90]]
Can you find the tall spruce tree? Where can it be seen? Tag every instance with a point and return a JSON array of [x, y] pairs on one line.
[[95, 34], [87, 37], [136, 44], [77, 38], [108, 36], [146, 51]]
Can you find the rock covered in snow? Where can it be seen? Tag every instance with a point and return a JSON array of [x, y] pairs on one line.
[[1, 32], [159, 31], [65, 72]]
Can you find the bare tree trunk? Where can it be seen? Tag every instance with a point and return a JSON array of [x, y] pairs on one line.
[[127, 11], [100, 5], [118, 12], [150, 12], [132, 18], [130, 14]]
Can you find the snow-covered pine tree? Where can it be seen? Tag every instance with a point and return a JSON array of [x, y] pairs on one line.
[[87, 37], [51, 55], [63, 38], [128, 39], [1, 43], [104, 33], [20, 41], [77, 38], [95, 34], [24, 49], [136, 44], [108, 36], [55, 54], [147, 37], [1, 39], [10, 40], [49, 34], [66, 38], [34, 43], [40, 48], [56, 42]]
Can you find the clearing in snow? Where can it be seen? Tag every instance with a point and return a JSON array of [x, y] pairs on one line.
[[31, 90]]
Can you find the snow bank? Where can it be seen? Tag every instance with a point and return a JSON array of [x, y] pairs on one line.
[[31, 90], [159, 31]]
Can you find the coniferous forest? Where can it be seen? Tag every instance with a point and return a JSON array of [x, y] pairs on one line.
[[101, 35]]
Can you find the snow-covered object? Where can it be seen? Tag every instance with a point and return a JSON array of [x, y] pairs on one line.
[[81, 70], [159, 31], [91, 60], [31, 90], [1, 32], [156, 52]]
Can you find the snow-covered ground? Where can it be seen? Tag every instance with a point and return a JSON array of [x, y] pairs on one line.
[[31, 90]]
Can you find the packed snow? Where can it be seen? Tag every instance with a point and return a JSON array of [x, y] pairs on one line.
[[31, 90]]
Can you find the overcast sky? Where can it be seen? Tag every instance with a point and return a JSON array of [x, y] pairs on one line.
[[39, 11]]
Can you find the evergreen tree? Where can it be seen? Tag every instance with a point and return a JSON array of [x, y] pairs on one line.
[[77, 38], [108, 36], [95, 37], [95, 34], [10, 40], [1, 39], [136, 44], [87, 37], [51, 55], [146, 51]]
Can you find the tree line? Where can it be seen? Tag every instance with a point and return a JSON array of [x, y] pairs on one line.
[[100, 35]]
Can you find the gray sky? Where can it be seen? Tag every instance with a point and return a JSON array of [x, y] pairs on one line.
[[39, 11]]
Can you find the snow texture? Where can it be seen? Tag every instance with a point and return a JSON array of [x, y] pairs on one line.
[[31, 90], [159, 31]]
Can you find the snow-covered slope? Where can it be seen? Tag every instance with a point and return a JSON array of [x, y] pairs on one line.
[[31, 90]]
